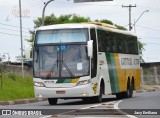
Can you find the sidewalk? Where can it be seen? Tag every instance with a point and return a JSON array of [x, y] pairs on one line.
[[149, 88]]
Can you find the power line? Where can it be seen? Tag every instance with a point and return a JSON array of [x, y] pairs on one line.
[[11, 34], [149, 7], [153, 43], [149, 37], [14, 26], [147, 28], [14, 30]]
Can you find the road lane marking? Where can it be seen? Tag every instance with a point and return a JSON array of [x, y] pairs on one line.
[[99, 104], [47, 116], [119, 110], [115, 103]]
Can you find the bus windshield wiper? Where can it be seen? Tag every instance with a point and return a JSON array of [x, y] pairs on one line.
[[63, 63], [59, 61], [53, 66]]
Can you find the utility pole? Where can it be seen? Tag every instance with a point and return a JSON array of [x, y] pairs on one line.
[[130, 6], [20, 18]]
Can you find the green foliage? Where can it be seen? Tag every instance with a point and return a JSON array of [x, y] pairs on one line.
[[78, 19], [31, 40], [141, 49], [52, 19], [37, 22], [105, 21], [19, 89], [120, 27], [12, 76]]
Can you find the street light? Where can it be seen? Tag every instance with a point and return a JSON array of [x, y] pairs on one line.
[[139, 18], [43, 12]]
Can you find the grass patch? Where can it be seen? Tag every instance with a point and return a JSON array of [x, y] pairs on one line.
[[14, 87]]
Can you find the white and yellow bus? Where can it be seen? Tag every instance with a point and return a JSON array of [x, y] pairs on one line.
[[85, 60]]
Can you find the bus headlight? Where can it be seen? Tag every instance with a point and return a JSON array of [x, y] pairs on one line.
[[39, 84], [83, 82]]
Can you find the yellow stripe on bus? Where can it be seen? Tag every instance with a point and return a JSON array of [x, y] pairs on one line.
[[74, 80], [119, 72]]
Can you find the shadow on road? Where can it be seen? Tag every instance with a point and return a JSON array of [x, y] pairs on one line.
[[81, 102]]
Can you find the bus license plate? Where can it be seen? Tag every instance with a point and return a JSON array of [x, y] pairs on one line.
[[60, 92]]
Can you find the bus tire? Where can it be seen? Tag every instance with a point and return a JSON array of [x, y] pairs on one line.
[[119, 95], [52, 101], [129, 92], [98, 99]]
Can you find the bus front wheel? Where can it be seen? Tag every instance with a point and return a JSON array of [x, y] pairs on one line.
[[52, 101], [98, 99]]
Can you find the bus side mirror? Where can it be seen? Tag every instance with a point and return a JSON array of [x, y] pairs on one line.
[[90, 48]]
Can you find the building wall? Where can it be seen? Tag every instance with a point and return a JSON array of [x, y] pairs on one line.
[[150, 73], [28, 71]]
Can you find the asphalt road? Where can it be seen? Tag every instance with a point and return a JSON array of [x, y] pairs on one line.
[[143, 104], [141, 101], [63, 106]]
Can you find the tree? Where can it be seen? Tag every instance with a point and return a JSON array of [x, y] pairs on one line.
[[120, 27], [74, 18], [52, 19], [105, 21], [141, 49]]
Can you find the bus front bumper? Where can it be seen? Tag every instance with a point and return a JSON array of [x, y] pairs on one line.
[[73, 92]]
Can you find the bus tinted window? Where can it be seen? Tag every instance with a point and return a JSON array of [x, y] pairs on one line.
[[116, 42], [61, 36]]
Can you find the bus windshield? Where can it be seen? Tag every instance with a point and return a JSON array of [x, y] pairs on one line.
[[61, 61], [61, 36]]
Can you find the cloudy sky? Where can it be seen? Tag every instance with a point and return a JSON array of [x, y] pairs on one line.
[[147, 27]]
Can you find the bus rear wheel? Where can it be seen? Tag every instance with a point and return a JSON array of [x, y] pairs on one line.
[[52, 101], [129, 92]]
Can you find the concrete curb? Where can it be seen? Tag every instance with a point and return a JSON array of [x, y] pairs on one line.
[[22, 101]]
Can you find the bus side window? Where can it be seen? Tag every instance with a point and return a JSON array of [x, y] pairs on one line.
[[94, 58], [121, 43], [113, 43], [108, 45]]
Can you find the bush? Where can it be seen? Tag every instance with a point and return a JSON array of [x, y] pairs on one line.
[[15, 87], [12, 76]]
